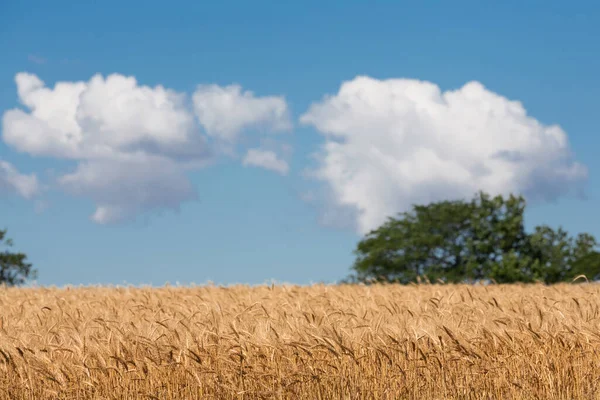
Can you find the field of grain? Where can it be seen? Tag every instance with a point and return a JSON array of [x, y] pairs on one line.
[[291, 342]]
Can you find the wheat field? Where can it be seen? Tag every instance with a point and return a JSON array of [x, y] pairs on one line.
[[293, 342]]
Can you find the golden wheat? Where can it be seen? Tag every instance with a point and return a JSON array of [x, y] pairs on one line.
[[290, 342]]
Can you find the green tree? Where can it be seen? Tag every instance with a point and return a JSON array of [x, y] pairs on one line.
[[560, 257], [484, 238], [429, 240], [498, 239], [14, 268], [448, 240], [588, 265]]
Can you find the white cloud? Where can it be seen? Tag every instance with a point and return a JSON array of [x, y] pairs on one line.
[[266, 159], [225, 112], [393, 143], [51, 127], [13, 182], [96, 118], [132, 143], [124, 188]]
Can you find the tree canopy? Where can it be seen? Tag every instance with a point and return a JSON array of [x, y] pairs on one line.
[[485, 238], [14, 268]]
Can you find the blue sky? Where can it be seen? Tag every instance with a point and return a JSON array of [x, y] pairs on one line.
[[256, 221]]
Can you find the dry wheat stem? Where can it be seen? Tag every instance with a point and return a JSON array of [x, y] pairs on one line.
[[289, 342]]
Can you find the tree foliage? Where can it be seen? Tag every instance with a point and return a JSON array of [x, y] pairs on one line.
[[14, 268], [485, 238]]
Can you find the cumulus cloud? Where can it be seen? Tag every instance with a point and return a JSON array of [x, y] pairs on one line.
[[266, 159], [102, 117], [133, 144], [13, 182], [225, 111], [123, 188], [393, 143]]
